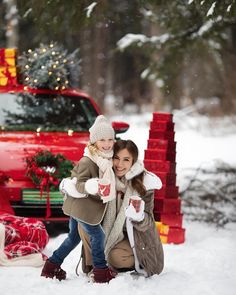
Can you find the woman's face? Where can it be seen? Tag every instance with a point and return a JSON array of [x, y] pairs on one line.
[[122, 162]]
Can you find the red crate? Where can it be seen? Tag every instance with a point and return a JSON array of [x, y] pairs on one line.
[[162, 117], [169, 135], [162, 144], [159, 166], [167, 205], [161, 155], [169, 192], [171, 219], [166, 178], [162, 126]]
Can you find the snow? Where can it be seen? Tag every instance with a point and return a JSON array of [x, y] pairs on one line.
[[90, 9], [229, 8], [211, 10], [204, 264], [140, 39]]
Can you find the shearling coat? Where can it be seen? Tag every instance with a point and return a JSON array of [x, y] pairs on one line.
[[147, 240], [147, 243], [90, 209]]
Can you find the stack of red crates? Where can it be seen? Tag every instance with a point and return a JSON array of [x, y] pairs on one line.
[[160, 158]]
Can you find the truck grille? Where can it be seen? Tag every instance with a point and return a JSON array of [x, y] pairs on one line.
[[32, 196]]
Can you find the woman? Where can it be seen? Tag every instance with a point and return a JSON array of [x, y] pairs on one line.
[[132, 240]]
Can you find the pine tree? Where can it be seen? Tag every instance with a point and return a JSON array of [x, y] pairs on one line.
[[49, 66], [185, 29]]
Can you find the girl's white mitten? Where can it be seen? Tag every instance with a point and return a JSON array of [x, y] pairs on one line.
[[68, 187], [91, 186]]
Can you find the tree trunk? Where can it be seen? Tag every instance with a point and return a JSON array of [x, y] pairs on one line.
[[11, 24], [229, 60], [94, 49]]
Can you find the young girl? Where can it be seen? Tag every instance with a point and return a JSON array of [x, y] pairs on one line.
[[89, 209]]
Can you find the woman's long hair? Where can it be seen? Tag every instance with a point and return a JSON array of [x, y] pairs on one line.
[[137, 181]]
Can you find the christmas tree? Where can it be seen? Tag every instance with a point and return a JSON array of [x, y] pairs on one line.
[[49, 66]]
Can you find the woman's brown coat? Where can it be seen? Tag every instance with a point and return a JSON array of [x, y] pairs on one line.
[[147, 240]]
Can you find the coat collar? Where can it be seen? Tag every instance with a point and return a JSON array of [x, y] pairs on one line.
[[150, 181]]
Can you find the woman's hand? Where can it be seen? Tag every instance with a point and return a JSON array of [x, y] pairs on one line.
[[131, 213]]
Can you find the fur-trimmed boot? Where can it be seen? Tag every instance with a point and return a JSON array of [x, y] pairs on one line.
[[51, 270], [103, 275]]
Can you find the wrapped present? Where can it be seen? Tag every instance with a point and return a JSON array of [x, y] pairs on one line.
[[7, 82], [8, 76], [162, 117], [162, 228], [167, 192], [172, 219], [10, 52], [162, 144], [162, 126], [169, 234], [5, 72], [176, 235], [157, 134], [8, 57], [167, 205], [166, 178], [164, 239], [160, 155], [158, 165]]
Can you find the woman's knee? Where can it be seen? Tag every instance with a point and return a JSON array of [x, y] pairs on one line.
[[121, 258]]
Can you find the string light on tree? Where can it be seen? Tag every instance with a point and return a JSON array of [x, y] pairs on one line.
[[50, 66]]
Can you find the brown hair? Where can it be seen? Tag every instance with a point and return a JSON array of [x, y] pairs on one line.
[[137, 181]]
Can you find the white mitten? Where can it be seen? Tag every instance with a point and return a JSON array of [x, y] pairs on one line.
[[91, 186], [68, 187], [131, 213]]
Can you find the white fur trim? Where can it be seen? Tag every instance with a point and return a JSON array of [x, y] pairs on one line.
[[68, 187], [91, 186], [130, 232], [135, 170], [152, 181]]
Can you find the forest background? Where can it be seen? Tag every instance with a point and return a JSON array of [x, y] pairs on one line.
[[137, 55]]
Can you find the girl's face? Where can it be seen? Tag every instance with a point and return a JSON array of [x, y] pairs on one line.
[[105, 145], [122, 162]]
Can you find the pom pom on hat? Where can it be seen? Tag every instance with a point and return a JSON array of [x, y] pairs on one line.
[[101, 129]]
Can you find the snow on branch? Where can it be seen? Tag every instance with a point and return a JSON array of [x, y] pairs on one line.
[[140, 39], [90, 8], [211, 195], [212, 8]]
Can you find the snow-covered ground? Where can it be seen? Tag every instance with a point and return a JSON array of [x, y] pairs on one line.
[[204, 264]]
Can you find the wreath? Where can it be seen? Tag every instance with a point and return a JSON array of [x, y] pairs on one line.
[[46, 170]]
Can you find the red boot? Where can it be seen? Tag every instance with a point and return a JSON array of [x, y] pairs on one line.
[[51, 270], [103, 275]]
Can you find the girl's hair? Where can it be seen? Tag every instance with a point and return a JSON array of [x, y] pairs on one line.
[[137, 181], [92, 148]]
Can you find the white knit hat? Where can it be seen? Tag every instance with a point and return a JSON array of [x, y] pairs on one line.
[[101, 129]]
